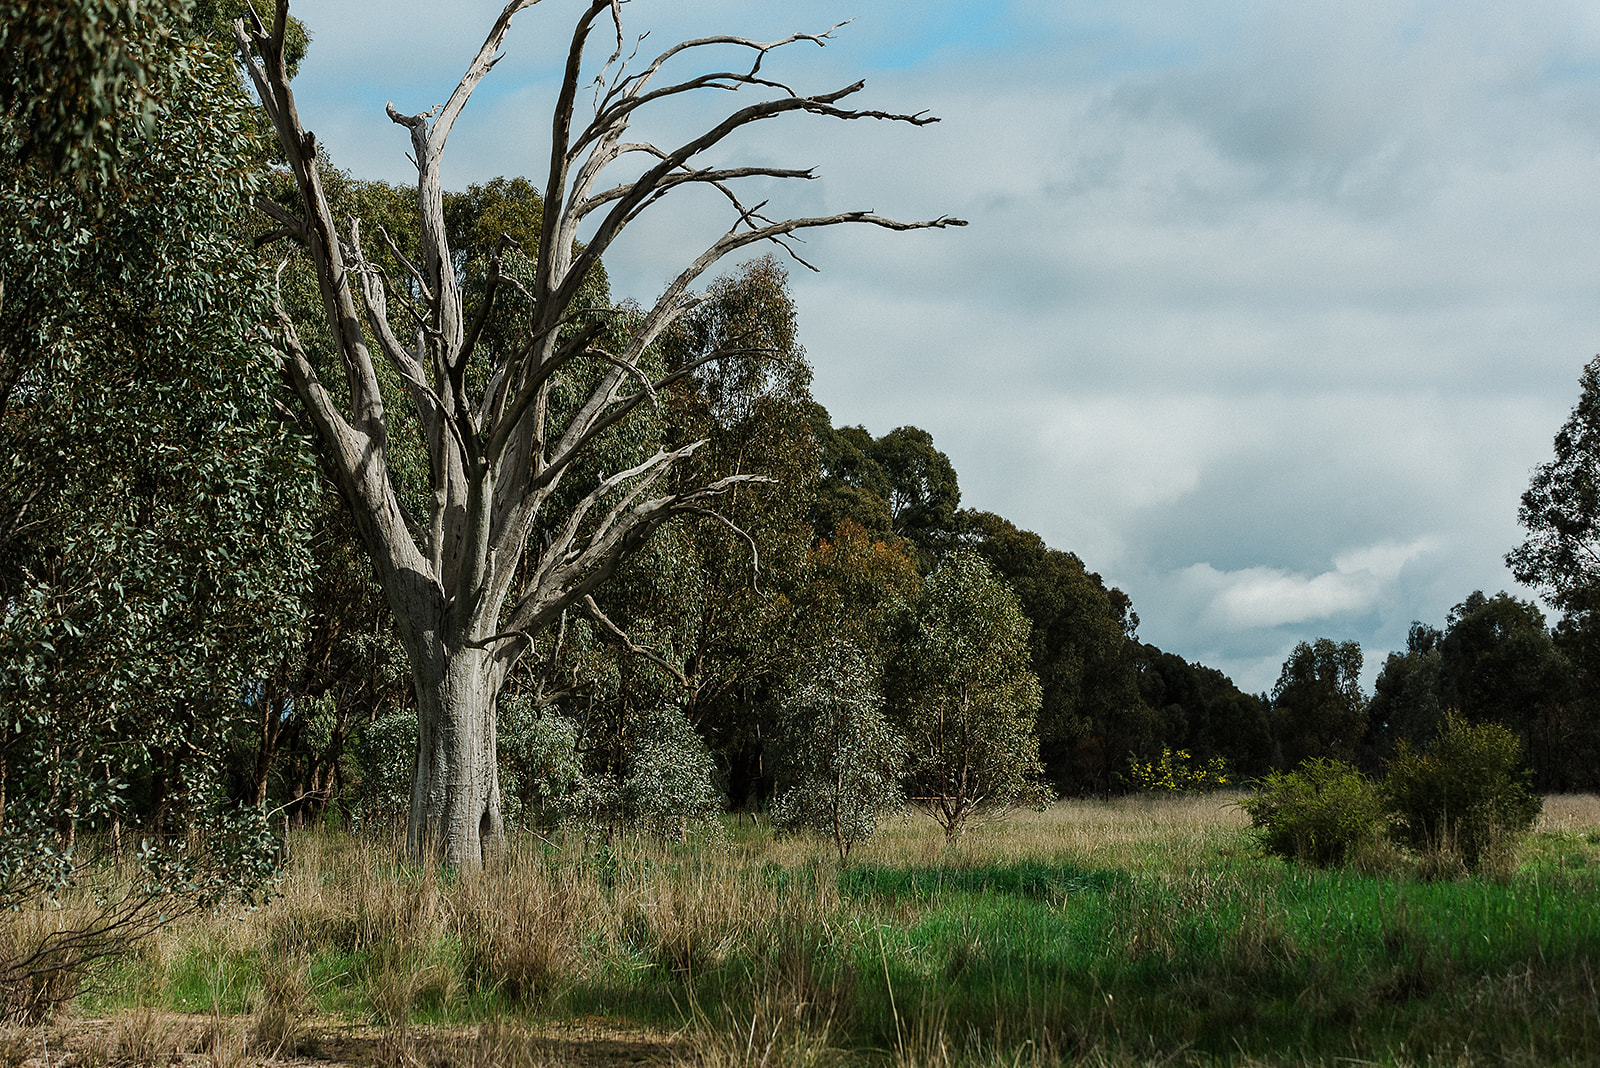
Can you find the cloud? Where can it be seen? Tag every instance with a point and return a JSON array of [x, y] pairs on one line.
[[1266, 310], [1270, 597]]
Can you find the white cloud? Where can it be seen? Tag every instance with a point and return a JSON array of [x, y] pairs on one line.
[[1257, 597]]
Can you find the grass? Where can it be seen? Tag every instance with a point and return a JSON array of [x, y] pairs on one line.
[[1140, 931]]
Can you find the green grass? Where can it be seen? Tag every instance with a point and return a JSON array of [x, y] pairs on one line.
[[1114, 934]]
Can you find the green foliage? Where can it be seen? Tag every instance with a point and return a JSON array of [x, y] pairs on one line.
[[81, 77], [1178, 772], [857, 586], [1496, 660], [1561, 513], [1091, 715], [1561, 508], [541, 771], [923, 491], [898, 483], [152, 505], [1200, 709], [77, 70], [1501, 664], [1407, 698], [749, 409], [668, 789], [1467, 794], [840, 762], [383, 754], [1324, 812], [965, 696]]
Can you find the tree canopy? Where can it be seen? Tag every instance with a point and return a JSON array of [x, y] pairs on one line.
[[153, 504], [1318, 704]]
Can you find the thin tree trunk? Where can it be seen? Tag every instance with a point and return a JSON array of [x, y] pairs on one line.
[[269, 734]]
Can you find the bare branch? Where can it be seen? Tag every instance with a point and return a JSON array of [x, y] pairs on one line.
[[431, 407], [485, 306], [480, 66], [411, 268], [625, 209], [291, 225], [690, 175], [579, 572], [592, 610], [631, 369], [628, 96], [270, 75], [583, 430]]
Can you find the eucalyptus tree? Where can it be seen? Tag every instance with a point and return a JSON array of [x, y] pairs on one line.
[[1092, 716], [1317, 706], [964, 695], [1501, 664], [504, 427], [1560, 557], [840, 762], [152, 504], [899, 483], [1561, 510], [752, 412]]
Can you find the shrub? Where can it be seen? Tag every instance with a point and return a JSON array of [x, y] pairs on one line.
[[1178, 772], [1468, 795], [541, 770], [1324, 812], [839, 760], [669, 787], [385, 751]]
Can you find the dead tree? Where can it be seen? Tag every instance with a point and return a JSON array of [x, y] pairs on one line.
[[467, 590]]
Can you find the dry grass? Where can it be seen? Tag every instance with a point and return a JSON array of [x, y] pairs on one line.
[[754, 948], [1138, 831], [34, 979], [1570, 812]]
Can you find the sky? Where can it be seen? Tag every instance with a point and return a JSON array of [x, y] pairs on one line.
[[1266, 310]]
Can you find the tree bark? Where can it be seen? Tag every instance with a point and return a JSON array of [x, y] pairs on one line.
[[455, 783]]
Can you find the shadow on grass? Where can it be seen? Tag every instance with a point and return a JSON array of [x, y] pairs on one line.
[[1032, 880]]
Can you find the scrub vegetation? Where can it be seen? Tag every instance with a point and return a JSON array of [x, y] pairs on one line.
[[1148, 930]]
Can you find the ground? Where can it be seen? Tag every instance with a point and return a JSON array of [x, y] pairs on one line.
[[145, 1037]]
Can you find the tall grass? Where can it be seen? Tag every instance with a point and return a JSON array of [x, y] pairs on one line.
[[1143, 930]]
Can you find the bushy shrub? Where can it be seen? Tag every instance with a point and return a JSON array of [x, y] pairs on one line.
[[384, 753], [839, 760], [1324, 812], [669, 788], [1466, 796], [541, 771], [1178, 772]]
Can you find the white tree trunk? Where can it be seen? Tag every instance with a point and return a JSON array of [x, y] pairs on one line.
[[455, 784]]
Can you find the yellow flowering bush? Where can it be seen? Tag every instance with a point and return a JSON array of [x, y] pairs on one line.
[[1179, 772]]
